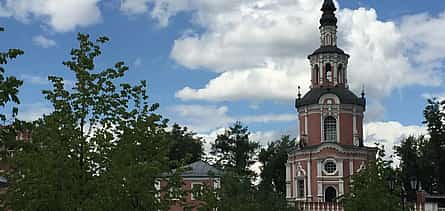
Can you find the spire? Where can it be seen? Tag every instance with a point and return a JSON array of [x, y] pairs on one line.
[[328, 18]]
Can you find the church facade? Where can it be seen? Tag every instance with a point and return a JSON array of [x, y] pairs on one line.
[[330, 125]]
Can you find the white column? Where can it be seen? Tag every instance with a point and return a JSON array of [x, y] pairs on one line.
[[309, 180], [340, 168], [320, 191], [341, 186], [338, 128], [351, 167], [321, 124]]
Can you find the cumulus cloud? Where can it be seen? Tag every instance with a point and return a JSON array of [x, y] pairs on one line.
[[256, 84], [61, 16], [132, 7], [34, 79], [390, 134], [43, 42], [31, 112], [203, 118], [260, 47]]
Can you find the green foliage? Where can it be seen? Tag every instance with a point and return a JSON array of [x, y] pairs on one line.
[[369, 190], [9, 85], [102, 148], [238, 194], [273, 159], [422, 157], [237, 191], [234, 151], [186, 146]]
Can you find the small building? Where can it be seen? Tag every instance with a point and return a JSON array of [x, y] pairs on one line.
[[197, 174]]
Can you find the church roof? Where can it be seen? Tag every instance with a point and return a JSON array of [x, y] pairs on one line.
[[199, 169], [345, 95], [328, 49]]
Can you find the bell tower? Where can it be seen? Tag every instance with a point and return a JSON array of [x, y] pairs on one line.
[[330, 124]]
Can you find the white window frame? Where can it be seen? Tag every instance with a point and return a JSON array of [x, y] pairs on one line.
[[327, 161], [297, 188], [192, 197]]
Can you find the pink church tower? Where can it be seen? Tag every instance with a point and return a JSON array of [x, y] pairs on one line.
[[331, 124]]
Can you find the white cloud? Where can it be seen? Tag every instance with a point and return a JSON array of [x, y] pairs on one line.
[[62, 16], [34, 79], [424, 39], [43, 42], [438, 96], [31, 112], [137, 62], [266, 137], [390, 134], [132, 7], [203, 119], [254, 84], [260, 48]]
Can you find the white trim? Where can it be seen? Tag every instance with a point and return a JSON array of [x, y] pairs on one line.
[[329, 186], [336, 157], [341, 187], [351, 167], [329, 95], [217, 183], [340, 167], [297, 189], [320, 191], [324, 164], [338, 128], [288, 175], [309, 179], [337, 147], [191, 189], [300, 172]]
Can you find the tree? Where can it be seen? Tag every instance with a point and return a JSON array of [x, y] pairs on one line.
[[369, 190], [101, 148], [186, 146], [9, 85], [234, 151], [9, 89], [422, 157], [273, 159]]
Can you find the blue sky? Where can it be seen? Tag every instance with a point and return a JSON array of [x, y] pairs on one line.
[[209, 63]]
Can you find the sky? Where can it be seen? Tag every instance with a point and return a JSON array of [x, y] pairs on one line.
[[210, 63]]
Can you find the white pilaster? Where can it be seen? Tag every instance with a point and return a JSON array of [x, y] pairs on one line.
[[351, 167], [340, 168], [341, 188], [309, 180]]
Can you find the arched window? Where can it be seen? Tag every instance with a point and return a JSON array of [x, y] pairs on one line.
[[330, 129], [340, 74], [330, 194], [328, 39], [317, 73], [328, 72]]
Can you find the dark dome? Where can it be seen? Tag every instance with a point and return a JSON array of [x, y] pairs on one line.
[[344, 94], [328, 18]]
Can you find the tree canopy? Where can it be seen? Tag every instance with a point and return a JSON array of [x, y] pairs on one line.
[[235, 151], [369, 189], [102, 148], [422, 157]]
